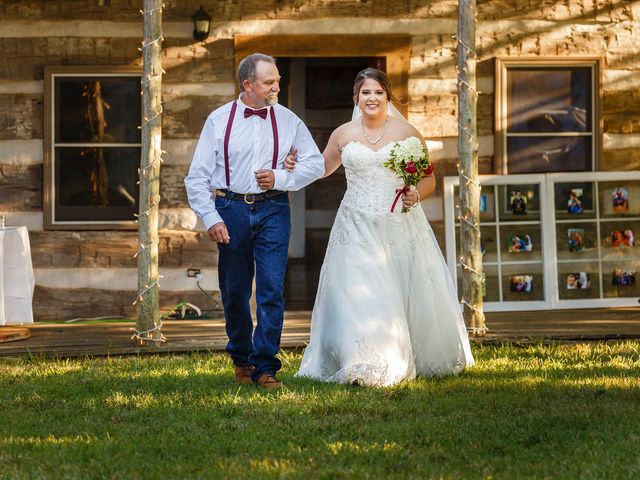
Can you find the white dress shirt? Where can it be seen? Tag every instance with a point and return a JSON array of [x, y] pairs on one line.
[[250, 149]]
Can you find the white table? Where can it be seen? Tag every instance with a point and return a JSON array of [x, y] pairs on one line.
[[16, 276]]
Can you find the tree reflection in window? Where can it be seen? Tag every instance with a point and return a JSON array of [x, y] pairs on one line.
[[96, 147]]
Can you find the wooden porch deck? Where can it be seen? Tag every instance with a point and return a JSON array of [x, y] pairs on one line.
[[73, 340]]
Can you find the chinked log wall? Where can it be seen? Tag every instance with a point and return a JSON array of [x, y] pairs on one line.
[[93, 273]]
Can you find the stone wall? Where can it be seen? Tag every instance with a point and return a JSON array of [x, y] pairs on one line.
[[200, 77]]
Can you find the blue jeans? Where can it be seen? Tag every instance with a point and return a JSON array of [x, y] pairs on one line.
[[259, 245]]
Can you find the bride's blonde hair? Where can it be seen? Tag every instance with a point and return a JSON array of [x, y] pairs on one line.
[[377, 75]]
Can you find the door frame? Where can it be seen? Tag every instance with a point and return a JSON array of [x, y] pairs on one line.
[[395, 48]]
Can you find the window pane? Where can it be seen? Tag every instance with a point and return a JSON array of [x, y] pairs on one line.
[[548, 154], [97, 109], [620, 199], [96, 183], [549, 100], [578, 280]]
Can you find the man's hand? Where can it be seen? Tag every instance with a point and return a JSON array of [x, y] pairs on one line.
[[265, 179], [218, 233], [291, 160]]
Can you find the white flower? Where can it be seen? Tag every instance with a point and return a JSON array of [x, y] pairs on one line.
[[408, 148]]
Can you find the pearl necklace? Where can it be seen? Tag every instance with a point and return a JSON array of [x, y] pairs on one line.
[[379, 137]]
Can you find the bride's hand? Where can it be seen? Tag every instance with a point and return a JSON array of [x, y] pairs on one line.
[[409, 199], [291, 160]]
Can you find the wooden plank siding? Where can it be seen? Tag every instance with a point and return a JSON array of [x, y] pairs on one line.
[[200, 77]]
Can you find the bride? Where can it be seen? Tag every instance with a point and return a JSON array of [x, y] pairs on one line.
[[386, 309]]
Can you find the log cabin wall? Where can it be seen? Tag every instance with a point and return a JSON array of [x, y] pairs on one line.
[[89, 273]]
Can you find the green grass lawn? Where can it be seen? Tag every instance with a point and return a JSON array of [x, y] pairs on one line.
[[560, 411]]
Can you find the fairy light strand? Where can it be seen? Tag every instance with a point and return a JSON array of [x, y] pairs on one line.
[[469, 182], [152, 11], [146, 289], [143, 247], [148, 335]]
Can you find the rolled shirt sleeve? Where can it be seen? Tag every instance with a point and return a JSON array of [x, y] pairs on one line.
[[198, 181], [310, 164]]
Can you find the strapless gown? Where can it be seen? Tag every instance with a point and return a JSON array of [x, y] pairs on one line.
[[386, 309]]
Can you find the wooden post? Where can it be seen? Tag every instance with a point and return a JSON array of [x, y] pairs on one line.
[[471, 257], [148, 301]]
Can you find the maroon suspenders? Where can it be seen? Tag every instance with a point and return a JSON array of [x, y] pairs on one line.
[[227, 135], [274, 128]]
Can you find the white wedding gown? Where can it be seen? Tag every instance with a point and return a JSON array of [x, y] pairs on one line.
[[386, 309]]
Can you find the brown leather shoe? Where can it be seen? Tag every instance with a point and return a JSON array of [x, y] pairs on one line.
[[243, 374], [268, 381]]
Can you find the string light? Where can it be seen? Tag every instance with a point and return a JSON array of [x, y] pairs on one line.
[[155, 40], [144, 247], [148, 335], [469, 182], [146, 212], [146, 289]]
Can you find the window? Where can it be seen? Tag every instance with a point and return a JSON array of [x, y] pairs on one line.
[[92, 147], [546, 115]]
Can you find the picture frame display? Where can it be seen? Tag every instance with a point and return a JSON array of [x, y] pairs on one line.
[[620, 199], [623, 278], [574, 201], [518, 202], [578, 281], [623, 238], [522, 283], [575, 239], [519, 243]]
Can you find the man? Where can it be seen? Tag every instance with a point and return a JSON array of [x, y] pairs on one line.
[[240, 155]]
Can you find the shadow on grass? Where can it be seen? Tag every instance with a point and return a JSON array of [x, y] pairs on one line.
[[520, 413]]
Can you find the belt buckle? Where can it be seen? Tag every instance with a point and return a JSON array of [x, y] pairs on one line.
[[246, 198]]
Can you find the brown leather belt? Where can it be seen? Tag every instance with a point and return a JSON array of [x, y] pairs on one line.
[[249, 198]]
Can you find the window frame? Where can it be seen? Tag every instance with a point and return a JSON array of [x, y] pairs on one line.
[[49, 186], [549, 221], [503, 64]]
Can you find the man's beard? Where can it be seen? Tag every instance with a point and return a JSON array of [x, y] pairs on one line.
[[271, 100]]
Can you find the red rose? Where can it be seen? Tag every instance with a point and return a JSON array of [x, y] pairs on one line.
[[411, 168], [429, 170]]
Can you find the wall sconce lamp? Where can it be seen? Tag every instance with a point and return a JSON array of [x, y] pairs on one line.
[[201, 23]]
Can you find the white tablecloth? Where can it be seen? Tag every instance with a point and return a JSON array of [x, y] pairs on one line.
[[16, 276]]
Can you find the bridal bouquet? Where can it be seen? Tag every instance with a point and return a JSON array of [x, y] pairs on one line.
[[409, 159]]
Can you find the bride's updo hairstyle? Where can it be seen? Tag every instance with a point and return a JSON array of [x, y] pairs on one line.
[[377, 75]]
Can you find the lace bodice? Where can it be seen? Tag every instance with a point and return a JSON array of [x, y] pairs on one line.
[[371, 187]]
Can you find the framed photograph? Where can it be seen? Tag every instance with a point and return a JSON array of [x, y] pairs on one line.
[[521, 283], [574, 201], [623, 278], [518, 202], [574, 198], [620, 199], [575, 237], [519, 243], [578, 281], [483, 203], [623, 238]]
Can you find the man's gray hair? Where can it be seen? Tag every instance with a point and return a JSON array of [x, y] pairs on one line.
[[247, 67]]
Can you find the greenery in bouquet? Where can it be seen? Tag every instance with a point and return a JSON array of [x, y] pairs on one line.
[[409, 159]]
